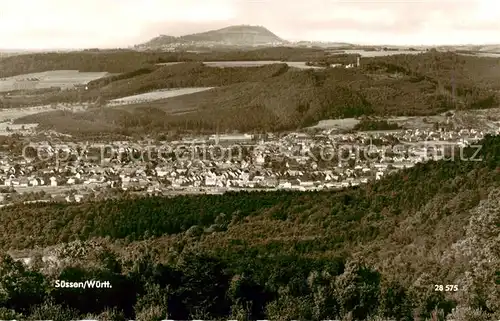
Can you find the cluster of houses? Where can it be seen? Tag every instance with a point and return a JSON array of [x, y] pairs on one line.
[[297, 161]]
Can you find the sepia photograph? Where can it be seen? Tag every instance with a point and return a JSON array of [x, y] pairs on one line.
[[250, 160]]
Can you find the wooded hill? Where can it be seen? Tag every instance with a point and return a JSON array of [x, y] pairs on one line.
[[276, 97], [121, 61], [375, 250], [238, 35]]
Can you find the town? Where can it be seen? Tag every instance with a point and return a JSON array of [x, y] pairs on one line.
[[213, 164]]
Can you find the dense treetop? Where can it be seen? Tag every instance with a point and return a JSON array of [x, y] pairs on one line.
[[277, 97]]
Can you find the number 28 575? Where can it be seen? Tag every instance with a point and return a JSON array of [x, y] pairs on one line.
[[446, 288]]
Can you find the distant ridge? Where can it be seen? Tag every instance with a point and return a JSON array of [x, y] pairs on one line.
[[238, 36]]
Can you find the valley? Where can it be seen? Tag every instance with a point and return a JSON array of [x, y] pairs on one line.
[[233, 174]]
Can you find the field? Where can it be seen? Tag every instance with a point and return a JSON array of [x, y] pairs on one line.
[[8, 128], [123, 61], [225, 64], [341, 124], [486, 118], [156, 95], [8, 116], [257, 63], [12, 114], [64, 79], [365, 53], [485, 54], [271, 96]]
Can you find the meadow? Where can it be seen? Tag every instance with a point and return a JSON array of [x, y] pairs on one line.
[[64, 79], [249, 63], [156, 95], [225, 64], [365, 53]]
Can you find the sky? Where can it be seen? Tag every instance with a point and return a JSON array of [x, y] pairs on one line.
[[67, 24]]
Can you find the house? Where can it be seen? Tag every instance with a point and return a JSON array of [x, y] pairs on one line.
[[307, 184], [23, 182], [154, 187], [210, 180], [53, 181], [161, 172], [259, 159], [244, 176]]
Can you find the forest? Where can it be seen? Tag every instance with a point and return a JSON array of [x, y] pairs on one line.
[[375, 252], [277, 97], [125, 61], [367, 124]]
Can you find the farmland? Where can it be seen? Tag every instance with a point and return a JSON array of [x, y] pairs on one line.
[[64, 79], [263, 95], [123, 61], [226, 64], [485, 54], [12, 114], [8, 116], [156, 95], [248, 63], [385, 53], [366, 53]]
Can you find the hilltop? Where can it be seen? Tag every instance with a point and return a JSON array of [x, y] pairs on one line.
[[240, 35]]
